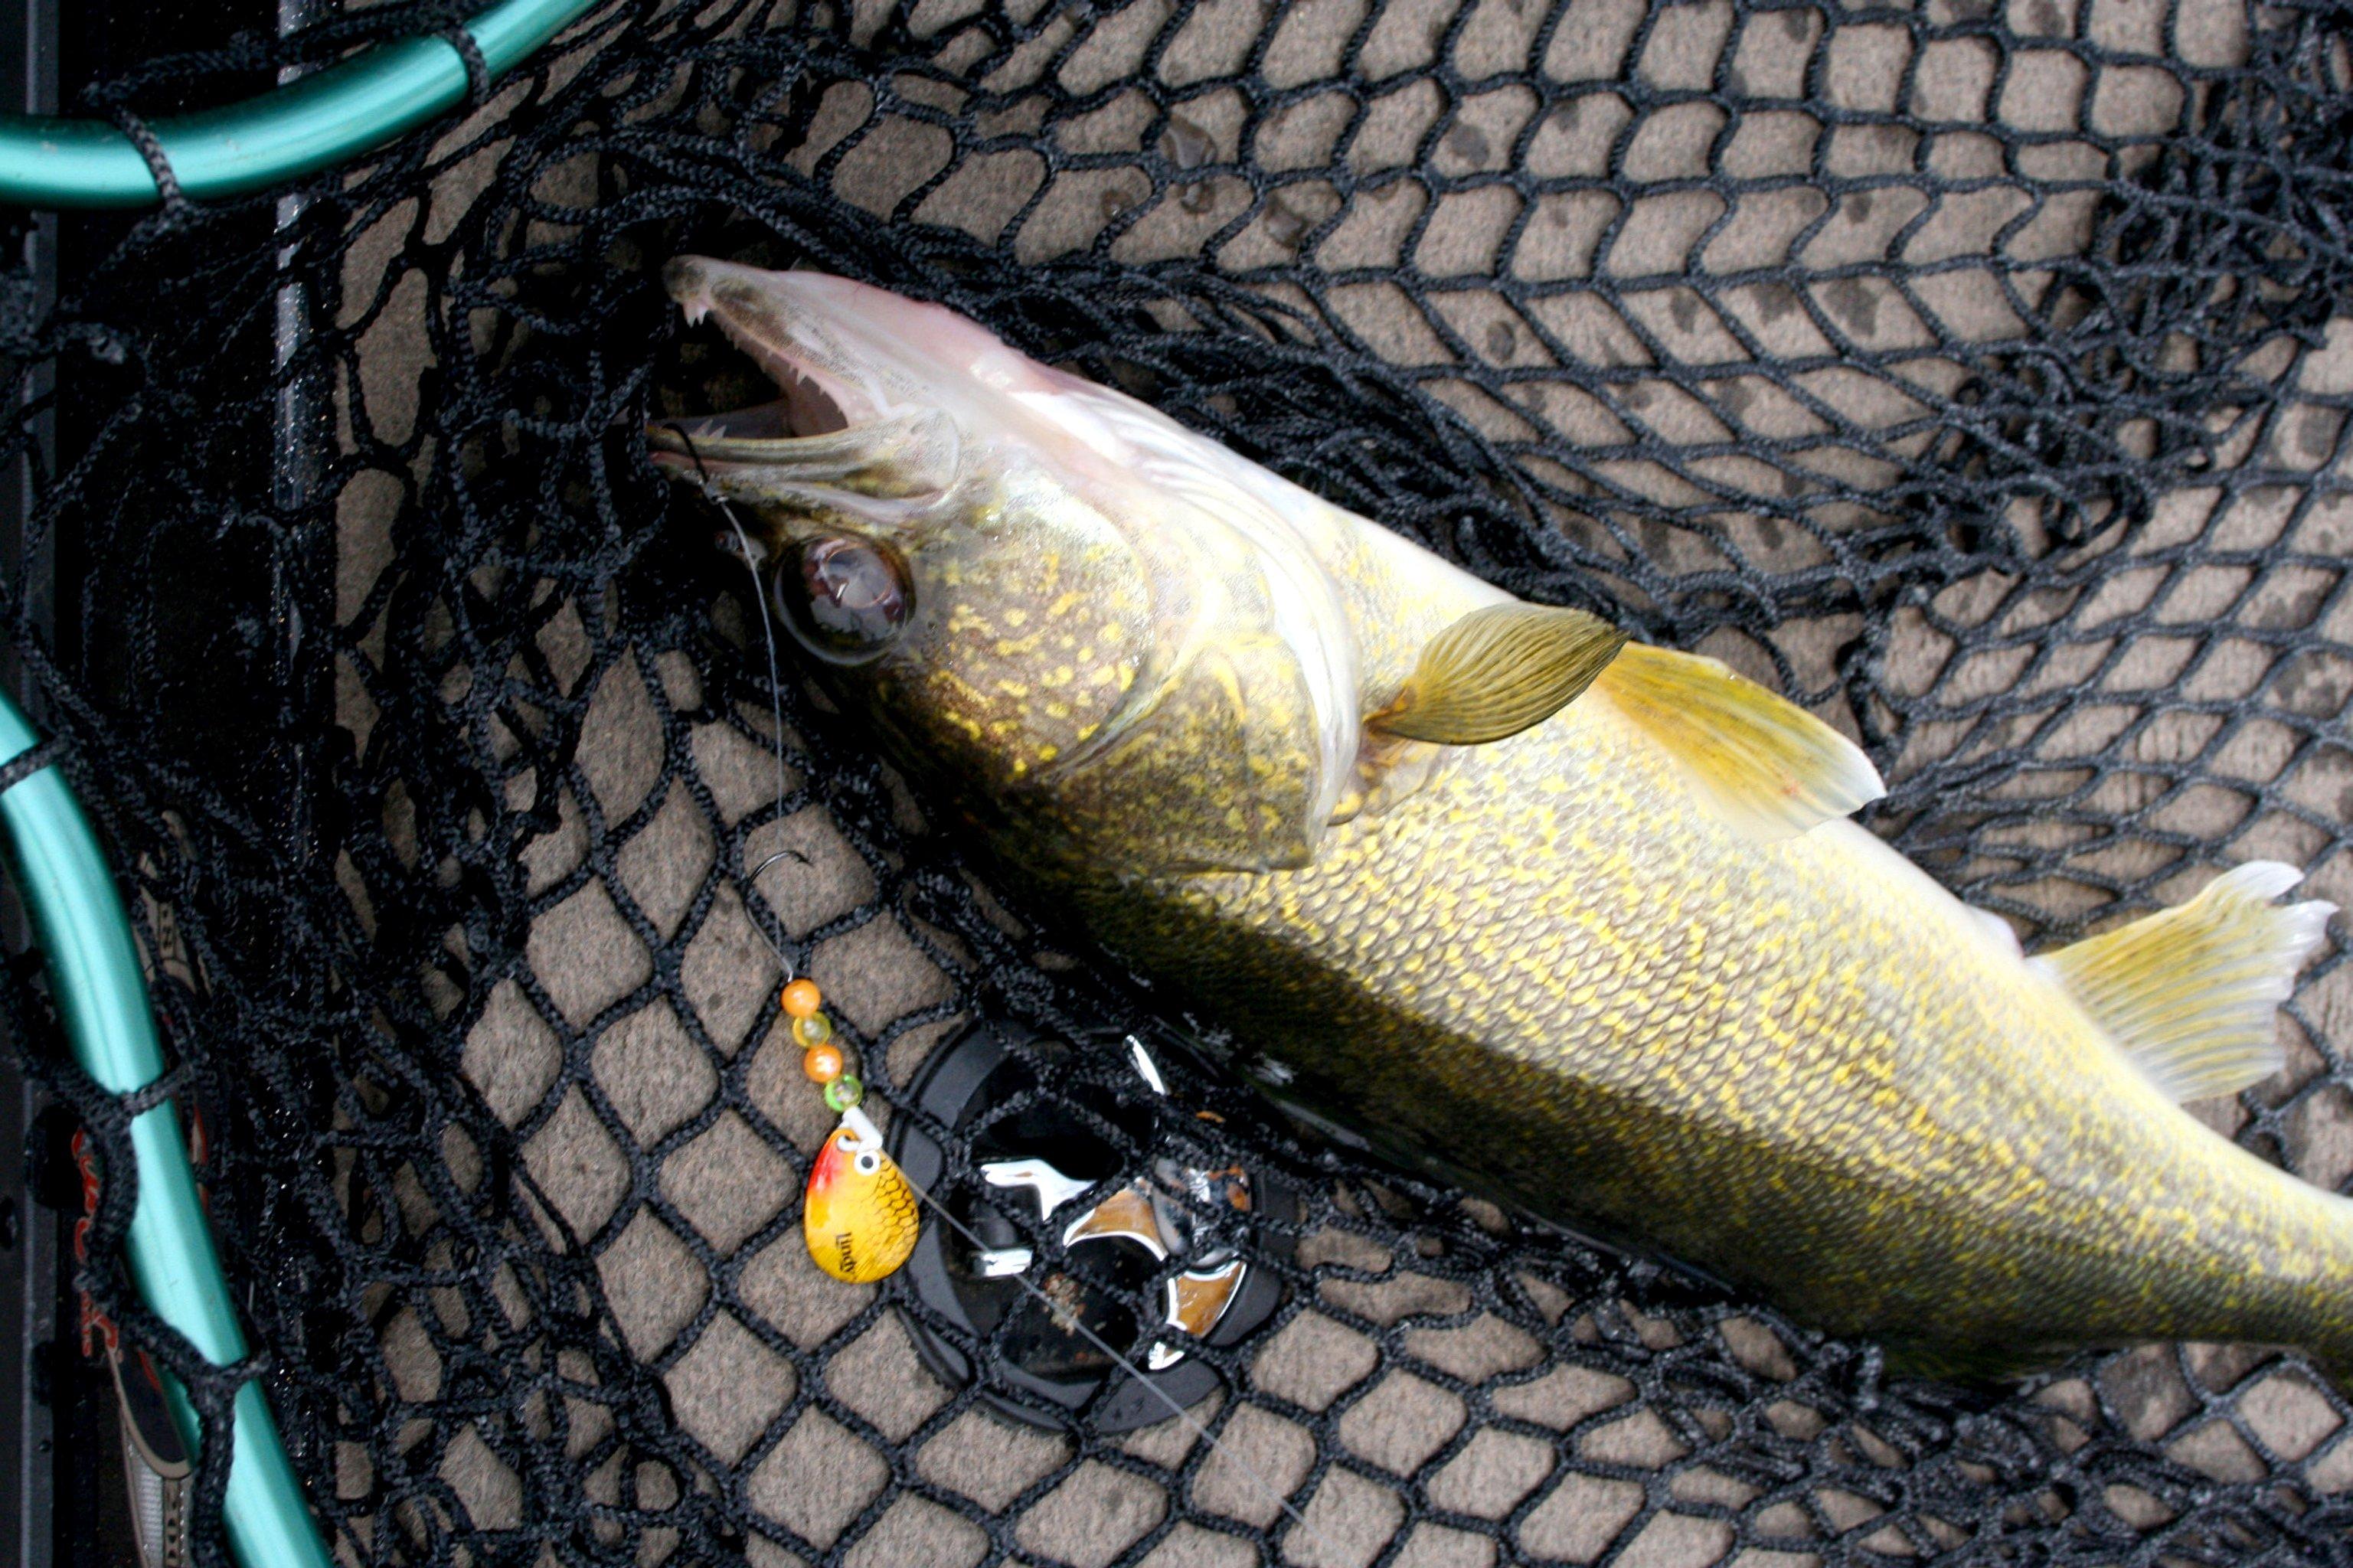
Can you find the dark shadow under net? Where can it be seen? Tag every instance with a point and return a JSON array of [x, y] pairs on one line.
[[2074, 572]]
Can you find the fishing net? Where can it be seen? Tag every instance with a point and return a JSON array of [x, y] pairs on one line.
[[1969, 371]]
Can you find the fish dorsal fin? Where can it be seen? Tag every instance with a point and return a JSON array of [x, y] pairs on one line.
[[1765, 765], [1498, 671], [2191, 993]]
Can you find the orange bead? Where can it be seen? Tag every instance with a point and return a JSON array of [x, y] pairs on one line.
[[822, 1063], [802, 998]]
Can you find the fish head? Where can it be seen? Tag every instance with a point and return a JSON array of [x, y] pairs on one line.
[[1086, 628]]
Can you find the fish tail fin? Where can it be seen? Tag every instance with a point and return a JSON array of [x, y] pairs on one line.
[[2191, 993]]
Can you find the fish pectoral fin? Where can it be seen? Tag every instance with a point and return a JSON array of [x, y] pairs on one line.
[[2189, 994], [1765, 765], [1498, 671]]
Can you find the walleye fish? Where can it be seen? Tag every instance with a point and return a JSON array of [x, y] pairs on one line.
[[1580, 917]]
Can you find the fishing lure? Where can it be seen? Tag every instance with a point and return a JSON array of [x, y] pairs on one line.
[[858, 1213]]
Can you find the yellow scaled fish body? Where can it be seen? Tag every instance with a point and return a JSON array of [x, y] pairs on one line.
[[1583, 920]]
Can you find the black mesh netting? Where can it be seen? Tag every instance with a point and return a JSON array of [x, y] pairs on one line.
[[1973, 371]]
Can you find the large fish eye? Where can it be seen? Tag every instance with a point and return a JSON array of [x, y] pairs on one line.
[[844, 597]]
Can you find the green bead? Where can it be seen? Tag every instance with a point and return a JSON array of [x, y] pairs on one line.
[[844, 1093], [814, 1030]]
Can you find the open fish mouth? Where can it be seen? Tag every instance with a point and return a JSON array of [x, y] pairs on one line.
[[856, 432], [794, 330], [758, 430]]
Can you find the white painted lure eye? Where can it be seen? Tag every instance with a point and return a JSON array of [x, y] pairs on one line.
[[868, 1162]]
